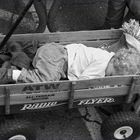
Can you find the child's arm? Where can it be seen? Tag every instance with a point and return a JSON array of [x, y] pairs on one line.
[[94, 70]]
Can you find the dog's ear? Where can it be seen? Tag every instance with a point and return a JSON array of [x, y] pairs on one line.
[[13, 46]]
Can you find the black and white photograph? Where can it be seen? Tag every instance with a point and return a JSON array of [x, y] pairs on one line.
[[69, 69]]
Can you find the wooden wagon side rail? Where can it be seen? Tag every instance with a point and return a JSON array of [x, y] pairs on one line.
[[73, 93], [90, 38], [108, 90]]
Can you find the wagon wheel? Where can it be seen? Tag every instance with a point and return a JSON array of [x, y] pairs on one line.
[[120, 126], [17, 129]]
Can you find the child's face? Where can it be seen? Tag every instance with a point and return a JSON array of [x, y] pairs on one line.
[[110, 70]]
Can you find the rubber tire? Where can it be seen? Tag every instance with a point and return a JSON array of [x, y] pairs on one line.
[[115, 121], [13, 127]]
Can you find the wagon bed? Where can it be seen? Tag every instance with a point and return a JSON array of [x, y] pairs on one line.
[[41, 96]]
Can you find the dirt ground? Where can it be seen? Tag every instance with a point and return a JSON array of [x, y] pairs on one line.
[[60, 125], [65, 125]]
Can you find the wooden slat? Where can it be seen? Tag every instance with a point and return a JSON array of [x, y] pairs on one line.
[[94, 44], [113, 80], [69, 36], [51, 91], [29, 88], [64, 95]]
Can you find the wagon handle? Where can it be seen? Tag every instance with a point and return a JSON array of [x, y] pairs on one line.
[[20, 17]]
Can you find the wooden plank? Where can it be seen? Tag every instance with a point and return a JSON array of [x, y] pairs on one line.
[[64, 95], [100, 82], [28, 88], [94, 44], [69, 36]]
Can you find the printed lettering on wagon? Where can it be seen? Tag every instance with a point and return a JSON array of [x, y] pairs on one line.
[[39, 97], [39, 88], [38, 106], [96, 101]]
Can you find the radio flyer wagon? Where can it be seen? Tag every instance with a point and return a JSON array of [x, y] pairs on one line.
[[123, 91]]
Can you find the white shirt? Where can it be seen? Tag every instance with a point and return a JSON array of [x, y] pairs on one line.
[[86, 62]]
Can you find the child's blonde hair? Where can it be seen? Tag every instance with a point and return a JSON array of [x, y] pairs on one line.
[[127, 62]]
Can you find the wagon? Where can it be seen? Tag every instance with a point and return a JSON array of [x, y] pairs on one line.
[[119, 93]]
